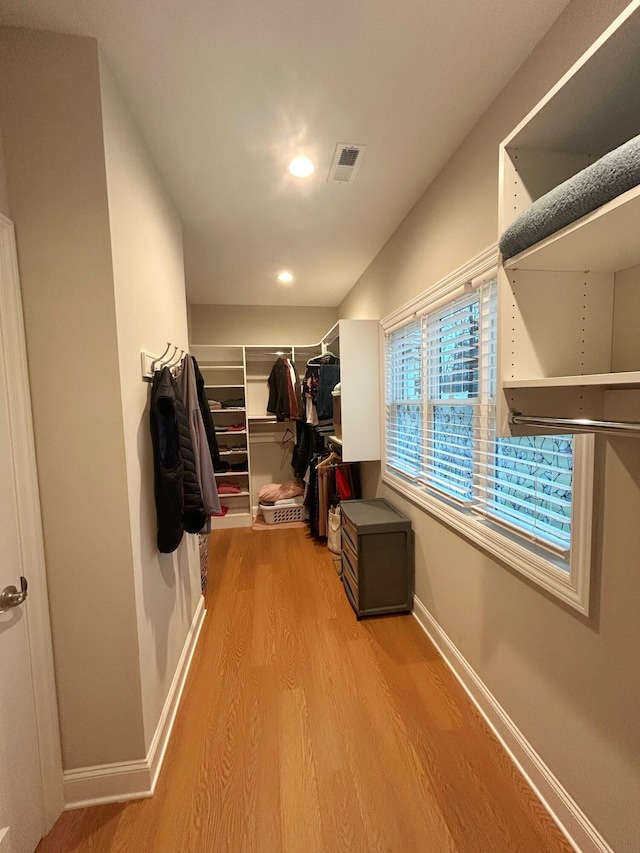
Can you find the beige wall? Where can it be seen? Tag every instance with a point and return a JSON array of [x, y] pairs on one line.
[[146, 241], [52, 134], [571, 684], [259, 324]]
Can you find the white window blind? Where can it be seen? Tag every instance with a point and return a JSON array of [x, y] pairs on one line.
[[441, 429], [404, 399]]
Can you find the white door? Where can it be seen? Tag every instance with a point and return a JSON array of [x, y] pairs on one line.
[[25, 665]]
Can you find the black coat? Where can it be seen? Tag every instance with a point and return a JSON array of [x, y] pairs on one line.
[[179, 504]]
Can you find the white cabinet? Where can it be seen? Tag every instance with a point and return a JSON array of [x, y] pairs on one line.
[[357, 343], [564, 303]]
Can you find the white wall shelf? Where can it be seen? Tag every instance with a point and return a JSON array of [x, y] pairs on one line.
[[606, 240], [627, 379], [565, 337], [211, 387]]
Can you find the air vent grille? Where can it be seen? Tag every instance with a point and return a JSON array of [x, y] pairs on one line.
[[346, 162]]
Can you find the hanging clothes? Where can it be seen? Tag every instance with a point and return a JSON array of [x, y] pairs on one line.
[[311, 381], [285, 405], [327, 381], [205, 411], [329, 481], [202, 455], [179, 505], [167, 462]]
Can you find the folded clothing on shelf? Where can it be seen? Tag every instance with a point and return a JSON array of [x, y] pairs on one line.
[[226, 488], [223, 511], [235, 403], [215, 405], [221, 468], [239, 467], [235, 427]]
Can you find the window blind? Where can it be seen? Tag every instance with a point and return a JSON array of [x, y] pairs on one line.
[[441, 427], [404, 399]]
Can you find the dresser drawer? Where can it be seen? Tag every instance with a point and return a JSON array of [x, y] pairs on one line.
[[351, 553], [349, 569], [351, 588], [350, 532]]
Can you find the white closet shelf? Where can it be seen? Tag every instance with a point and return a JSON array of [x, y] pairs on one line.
[[217, 366], [628, 379], [233, 452], [225, 386], [224, 498], [228, 411], [605, 240], [224, 474], [233, 518], [232, 432]]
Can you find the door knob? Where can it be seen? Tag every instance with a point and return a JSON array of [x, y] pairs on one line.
[[10, 597]]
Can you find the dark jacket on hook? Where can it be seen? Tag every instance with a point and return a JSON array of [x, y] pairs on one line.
[[178, 500], [167, 462]]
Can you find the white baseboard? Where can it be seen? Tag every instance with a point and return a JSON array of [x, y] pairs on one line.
[[134, 780], [164, 728], [571, 820]]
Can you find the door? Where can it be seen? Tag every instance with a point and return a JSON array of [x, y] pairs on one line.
[[29, 745], [21, 811]]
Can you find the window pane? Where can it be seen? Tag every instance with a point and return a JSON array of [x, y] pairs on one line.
[[404, 438], [451, 456], [452, 344], [532, 485]]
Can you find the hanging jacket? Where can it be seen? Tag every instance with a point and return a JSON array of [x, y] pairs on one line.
[[194, 517], [202, 456], [167, 462], [279, 383], [205, 411]]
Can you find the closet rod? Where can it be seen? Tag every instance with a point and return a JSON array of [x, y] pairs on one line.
[[629, 428]]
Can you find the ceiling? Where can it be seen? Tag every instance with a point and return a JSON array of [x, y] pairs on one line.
[[227, 91]]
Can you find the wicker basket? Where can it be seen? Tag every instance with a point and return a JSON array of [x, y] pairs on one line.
[[284, 511]]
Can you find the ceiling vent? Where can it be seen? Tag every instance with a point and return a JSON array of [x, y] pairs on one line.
[[346, 162]]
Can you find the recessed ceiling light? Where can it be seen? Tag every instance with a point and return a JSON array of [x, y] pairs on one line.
[[301, 167], [285, 277]]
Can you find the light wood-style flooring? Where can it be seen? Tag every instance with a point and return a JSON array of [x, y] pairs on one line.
[[303, 730]]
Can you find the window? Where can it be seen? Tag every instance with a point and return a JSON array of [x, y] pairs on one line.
[[442, 446]]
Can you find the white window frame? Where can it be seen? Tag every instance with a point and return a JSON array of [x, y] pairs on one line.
[[567, 580]]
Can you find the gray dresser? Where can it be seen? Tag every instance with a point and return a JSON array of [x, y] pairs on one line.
[[377, 557]]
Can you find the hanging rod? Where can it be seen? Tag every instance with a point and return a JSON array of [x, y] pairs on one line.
[[579, 424]]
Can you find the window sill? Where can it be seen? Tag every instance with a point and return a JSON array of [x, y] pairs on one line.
[[564, 580]]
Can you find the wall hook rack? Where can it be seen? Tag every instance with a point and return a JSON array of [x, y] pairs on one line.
[[151, 363]]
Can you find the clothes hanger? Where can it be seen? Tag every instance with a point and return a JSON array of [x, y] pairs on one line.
[[320, 359]]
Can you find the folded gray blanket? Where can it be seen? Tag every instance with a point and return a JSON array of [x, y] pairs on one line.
[[610, 176]]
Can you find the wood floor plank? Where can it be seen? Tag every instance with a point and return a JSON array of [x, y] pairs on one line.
[[302, 730]]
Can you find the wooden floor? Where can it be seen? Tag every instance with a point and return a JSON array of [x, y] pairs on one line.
[[303, 730]]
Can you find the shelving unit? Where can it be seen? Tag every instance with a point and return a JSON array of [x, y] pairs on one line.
[[243, 371], [223, 369], [567, 304]]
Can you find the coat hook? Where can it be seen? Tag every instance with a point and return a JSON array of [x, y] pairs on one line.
[[156, 360]]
